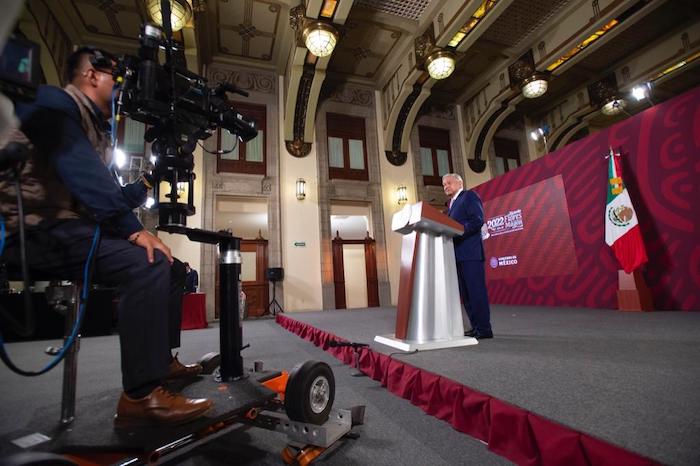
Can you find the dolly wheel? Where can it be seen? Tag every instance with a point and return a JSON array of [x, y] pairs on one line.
[[289, 455], [310, 392], [308, 454]]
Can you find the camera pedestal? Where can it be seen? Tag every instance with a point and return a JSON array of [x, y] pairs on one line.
[[230, 331]]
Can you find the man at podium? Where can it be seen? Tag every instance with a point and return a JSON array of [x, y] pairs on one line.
[[466, 208]]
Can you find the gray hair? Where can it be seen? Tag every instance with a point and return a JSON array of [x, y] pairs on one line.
[[453, 175]]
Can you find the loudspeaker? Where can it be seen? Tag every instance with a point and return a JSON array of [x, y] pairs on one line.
[[275, 274]]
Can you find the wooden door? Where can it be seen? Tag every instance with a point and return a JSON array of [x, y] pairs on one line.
[[255, 284], [370, 270], [253, 277]]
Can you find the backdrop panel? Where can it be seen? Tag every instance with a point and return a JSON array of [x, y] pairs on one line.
[[661, 168]]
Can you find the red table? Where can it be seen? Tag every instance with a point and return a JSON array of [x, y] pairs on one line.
[[194, 311]]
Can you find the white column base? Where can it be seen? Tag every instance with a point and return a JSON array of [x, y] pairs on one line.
[[407, 345]]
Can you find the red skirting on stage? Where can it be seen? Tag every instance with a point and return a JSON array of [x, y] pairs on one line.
[[512, 432], [194, 311]]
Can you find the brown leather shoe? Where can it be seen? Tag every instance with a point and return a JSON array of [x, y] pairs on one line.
[[159, 407], [178, 370]]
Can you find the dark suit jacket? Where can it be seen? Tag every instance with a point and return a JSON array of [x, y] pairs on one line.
[[468, 210], [191, 281]]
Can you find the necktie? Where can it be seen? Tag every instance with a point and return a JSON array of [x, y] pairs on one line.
[[449, 206]]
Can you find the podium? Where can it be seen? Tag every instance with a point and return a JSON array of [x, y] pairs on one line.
[[429, 309]]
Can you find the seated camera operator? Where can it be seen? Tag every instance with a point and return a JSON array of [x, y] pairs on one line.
[[68, 190]]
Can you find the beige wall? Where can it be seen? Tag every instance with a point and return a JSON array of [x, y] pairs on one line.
[[302, 274]]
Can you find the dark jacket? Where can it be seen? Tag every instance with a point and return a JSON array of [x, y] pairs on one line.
[[191, 281], [468, 210], [67, 175]]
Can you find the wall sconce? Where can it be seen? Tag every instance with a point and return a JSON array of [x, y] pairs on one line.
[[320, 38], [401, 195], [301, 189]]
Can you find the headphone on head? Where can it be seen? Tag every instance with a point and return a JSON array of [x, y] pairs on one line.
[[99, 59]]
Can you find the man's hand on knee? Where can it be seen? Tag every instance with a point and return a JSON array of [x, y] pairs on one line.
[[150, 242]]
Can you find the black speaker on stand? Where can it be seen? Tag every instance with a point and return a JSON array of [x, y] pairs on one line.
[[274, 274]]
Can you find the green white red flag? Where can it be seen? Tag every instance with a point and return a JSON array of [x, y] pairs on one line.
[[622, 232]]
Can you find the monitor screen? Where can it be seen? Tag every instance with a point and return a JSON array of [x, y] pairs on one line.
[[19, 67]]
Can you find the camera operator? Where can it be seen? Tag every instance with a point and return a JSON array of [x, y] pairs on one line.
[[68, 190]]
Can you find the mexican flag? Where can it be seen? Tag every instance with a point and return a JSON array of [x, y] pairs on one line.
[[621, 226]]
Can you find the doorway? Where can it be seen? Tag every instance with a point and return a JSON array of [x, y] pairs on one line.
[[247, 219], [354, 257], [354, 289]]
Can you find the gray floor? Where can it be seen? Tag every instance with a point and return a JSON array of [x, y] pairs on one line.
[[395, 432], [632, 379]]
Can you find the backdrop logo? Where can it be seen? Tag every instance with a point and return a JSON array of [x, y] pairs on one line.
[[507, 223], [503, 261], [506, 260], [620, 215]]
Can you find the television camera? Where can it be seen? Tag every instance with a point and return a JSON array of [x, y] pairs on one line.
[[180, 109]]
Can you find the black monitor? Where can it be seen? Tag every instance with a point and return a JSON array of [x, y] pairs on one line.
[[20, 71]]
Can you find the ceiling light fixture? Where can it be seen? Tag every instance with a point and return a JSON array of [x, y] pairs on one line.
[[440, 64], [613, 106], [534, 86], [180, 13], [320, 38]]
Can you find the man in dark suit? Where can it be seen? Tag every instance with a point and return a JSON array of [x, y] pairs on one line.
[[191, 279], [465, 207]]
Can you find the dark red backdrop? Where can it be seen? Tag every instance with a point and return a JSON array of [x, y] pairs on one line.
[[661, 163], [519, 223]]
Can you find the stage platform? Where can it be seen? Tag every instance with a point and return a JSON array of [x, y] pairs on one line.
[[555, 385]]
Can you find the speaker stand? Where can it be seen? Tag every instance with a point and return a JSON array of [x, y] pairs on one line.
[[274, 307]]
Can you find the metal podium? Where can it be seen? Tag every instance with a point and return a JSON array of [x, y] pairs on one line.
[[429, 310]]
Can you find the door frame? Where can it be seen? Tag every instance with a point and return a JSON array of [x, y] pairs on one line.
[[370, 270]]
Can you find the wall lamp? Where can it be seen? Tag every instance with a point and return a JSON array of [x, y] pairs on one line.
[[301, 189], [401, 195]]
